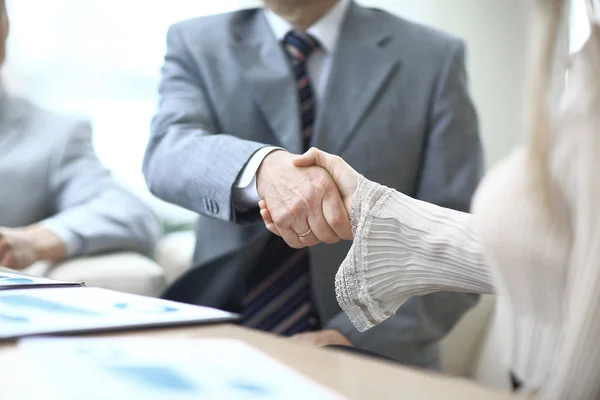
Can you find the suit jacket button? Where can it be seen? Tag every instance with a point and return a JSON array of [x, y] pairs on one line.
[[211, 206], [215, 207]]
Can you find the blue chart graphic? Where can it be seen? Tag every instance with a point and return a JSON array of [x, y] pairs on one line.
[[157, 377], [145, 308], [16, 301], [13, 319], [249, 389], [14, 281]]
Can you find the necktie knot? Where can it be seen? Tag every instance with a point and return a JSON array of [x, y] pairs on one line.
[[299, 45]]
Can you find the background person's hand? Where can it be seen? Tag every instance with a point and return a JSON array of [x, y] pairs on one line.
[[21, 247], [322, 338], [305, 206], [17, 251]]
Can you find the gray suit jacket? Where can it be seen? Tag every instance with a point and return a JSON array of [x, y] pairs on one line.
[[50, 174], [397, 109]]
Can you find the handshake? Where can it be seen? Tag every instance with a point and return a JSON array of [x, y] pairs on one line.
[[306, 199]]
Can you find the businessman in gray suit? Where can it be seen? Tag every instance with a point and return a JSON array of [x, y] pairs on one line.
[[56, 199], [242, 92]]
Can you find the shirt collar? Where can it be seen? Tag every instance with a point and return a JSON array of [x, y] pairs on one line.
[[326, 30]]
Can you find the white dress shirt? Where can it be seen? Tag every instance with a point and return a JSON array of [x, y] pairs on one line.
[[326, 31]]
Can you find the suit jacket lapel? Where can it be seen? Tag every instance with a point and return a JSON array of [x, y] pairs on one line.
[[362, 64], [269, 77]]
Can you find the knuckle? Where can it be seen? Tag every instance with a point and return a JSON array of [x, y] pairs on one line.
[[297, 206], [323, 182], [281, 217]]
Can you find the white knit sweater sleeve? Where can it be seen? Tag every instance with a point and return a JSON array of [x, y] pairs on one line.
[[575, 373], [404, 247]]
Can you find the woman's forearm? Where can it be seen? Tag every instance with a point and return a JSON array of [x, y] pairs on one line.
[[404, 247]]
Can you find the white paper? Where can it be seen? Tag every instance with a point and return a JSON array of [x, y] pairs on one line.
[[34, 311], [12, 280], [151, 369]]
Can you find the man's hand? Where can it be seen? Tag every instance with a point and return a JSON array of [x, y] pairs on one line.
[[304, 203], [21, 247], [322, 338], [17, 251], [344, 176]]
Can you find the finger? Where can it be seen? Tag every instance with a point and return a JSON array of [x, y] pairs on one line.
[[316, 218], [321, 229], [266, 216], [262, 204], [285, 232], [305, 233], [291, 237], [273, 229], [316, 157], [268, 220], [334, 212], [310, 239], [312, 157], [304, 338]]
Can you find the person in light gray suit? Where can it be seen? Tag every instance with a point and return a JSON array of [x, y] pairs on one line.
[[56, 198], [242, 92]]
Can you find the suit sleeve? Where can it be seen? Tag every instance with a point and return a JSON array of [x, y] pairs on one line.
[[451, 168], [92, 213], [187, 161]]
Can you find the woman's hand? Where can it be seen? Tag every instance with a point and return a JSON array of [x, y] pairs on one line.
[[344, 176]]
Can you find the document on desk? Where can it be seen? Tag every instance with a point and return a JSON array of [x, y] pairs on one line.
[[174, 369], [29, 312], [10, 280]]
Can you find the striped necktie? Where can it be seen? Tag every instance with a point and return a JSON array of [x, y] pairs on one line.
[[298, 47], [278, 296]]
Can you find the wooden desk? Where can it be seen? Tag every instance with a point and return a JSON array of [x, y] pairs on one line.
[[354, 376]]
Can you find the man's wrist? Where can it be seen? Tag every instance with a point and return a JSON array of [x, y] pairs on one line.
[[245, 192], [265, 165]]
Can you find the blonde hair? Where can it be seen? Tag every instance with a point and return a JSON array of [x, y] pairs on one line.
[[549, 16], [548, 68]]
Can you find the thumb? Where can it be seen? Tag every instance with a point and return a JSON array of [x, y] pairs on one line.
[[312, 157]]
